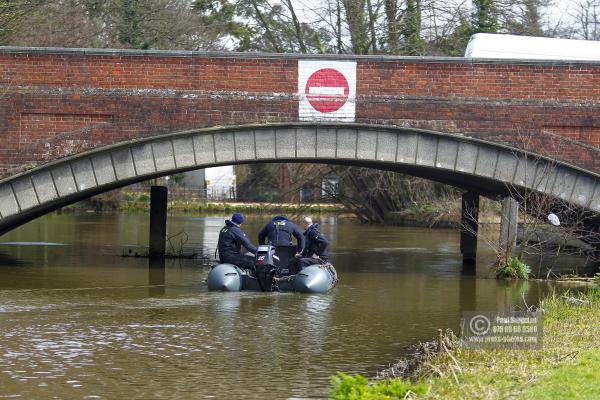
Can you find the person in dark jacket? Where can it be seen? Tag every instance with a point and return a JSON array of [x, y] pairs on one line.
[[316, 244], [280, 231], [231, 240], [315, 249]]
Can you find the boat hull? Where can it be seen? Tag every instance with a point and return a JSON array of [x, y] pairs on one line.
[[312, 279]]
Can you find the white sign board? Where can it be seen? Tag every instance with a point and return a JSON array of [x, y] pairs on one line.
[[327, 90]]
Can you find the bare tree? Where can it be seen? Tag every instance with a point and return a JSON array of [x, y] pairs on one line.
[[586, 15]]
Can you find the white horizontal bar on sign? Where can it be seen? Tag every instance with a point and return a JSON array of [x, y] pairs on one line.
[[339, 91]]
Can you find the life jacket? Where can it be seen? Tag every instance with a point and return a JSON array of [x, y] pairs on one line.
[[315, 243], [232, 238], [280, 231]]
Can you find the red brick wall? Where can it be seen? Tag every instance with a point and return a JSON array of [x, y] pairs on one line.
[[56, 103]]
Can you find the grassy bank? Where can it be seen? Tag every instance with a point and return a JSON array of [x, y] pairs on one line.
[[134, 202], [185, 206], [568, 366]]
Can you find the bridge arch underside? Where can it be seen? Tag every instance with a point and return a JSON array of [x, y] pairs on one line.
[[488, 168]]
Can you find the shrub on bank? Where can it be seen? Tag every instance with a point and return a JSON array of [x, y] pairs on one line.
[[514, 269], [357, 387]]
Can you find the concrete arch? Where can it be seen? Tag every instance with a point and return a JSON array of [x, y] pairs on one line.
[[469, 163]]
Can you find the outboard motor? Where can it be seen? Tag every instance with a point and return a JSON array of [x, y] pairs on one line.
[[266, 265]]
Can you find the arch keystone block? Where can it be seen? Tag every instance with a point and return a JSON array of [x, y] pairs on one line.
[[285, 143], [224, 147], [326, 142], [506, 168], [204, 148], [467, 157], [386, 146], [306, 142], [525, 173], [84, 173], [64, 180], [265, 144], [8, 202], [25, 193], [583, 191], [103, 168], [163, 155], [407, 148], [244, 146], [564, 184], [346, 143], [123, 162], [184, 152], [366, 147], [427, 150], [486, 162], [447, 151], [143, 159], [44, 186]]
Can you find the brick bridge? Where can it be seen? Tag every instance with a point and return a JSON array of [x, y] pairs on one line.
[[77, 122]]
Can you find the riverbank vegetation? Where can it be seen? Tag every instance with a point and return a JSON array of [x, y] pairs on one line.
[[139, 201], [513, 269], [567, 367]]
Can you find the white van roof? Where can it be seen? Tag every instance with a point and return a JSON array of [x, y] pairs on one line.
[[492, 45]]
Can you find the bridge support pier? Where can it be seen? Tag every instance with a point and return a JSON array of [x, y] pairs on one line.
[[468, 229], [158, 221], [508, 227]]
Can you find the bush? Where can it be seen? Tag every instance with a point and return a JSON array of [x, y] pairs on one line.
[[128, 197], [357, 387], [515, 269], [143, 198]]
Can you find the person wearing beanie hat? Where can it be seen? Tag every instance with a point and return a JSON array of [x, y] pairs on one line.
[[237, 218], [231, 240], [315, 249]]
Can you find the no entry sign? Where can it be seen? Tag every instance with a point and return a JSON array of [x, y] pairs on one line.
[[327, 90]]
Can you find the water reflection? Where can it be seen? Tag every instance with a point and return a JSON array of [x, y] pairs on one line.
[[6, 259], [156, 277]]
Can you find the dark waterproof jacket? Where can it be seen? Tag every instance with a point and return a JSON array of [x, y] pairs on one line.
[[231, 240], [280, 231], [315, 243]]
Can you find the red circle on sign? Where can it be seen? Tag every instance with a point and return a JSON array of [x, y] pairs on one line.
[[327, 90]]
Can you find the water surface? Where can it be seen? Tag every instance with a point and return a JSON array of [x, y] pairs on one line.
[[79, 321]]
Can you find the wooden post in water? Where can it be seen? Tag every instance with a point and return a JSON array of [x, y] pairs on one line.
[[158, 221], [468, 229], [508, 228]]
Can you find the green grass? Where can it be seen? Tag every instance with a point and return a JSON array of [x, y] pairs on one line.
[[357, 387], [579, 380], [567, 367]]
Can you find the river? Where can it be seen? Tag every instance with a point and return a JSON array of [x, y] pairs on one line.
[[78, 321]]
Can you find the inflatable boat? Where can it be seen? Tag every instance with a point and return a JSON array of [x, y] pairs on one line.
[[272, 273]]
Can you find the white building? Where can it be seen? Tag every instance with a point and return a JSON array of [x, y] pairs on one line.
[[493, 45], [220, 183]]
